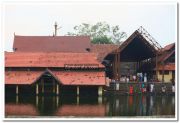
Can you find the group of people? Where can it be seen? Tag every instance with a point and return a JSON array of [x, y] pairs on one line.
[[139, 77]]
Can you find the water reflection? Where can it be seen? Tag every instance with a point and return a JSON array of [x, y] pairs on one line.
[[140, 105]]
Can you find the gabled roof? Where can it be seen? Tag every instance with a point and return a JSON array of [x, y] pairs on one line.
[[103, 49], [51, 43], [63, 77], [80, 77], [169, 47], [163, 57], [51, 59], [21, 77], [136, 48]]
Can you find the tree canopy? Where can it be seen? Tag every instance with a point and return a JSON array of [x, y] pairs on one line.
[[101, 32]]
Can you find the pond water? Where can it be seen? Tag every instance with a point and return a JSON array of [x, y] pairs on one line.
[[91, 106]]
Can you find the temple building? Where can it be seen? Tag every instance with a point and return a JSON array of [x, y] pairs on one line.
[[53, 64], [71, 64]]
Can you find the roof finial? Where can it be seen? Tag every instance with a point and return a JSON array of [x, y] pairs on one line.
[[56, 28]]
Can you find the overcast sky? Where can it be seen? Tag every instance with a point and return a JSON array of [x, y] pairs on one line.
[[159, 19]]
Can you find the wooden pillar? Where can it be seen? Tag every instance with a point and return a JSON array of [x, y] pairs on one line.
[[100, 91], [77, 90], [54, 90], [57, 89], [42, 83], [17, 90], [37, 89], [119, 67], [117, 74], [114, 67], [156, 66], [163, 72]]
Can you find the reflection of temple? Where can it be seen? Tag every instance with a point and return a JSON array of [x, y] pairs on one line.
[[141, 105], [20, 110], [54, 105], [81, 110]]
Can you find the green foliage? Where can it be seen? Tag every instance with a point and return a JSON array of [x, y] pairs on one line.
[[101, 40], [101, 32]]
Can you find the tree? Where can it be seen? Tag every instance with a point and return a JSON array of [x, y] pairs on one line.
[[101, 32]]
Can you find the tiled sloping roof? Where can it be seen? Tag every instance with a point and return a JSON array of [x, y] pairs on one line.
[[81, 78], [170, 66], [168, 47], [21, 110], [65, 78], [21, 77], [53, 59], [81, 110], [51, 43], [165, 56], [103, 50]]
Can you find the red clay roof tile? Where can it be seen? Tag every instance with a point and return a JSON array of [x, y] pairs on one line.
[[168, 47], [169, 66], [21, 77], [165, 55], [51, 43], [103, 50], [53, 59], [65, 77], [81, 78]]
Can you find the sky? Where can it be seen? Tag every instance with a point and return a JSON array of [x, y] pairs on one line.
[[37, 19]]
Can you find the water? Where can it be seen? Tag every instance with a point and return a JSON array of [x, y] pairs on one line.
[[106, 106]]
